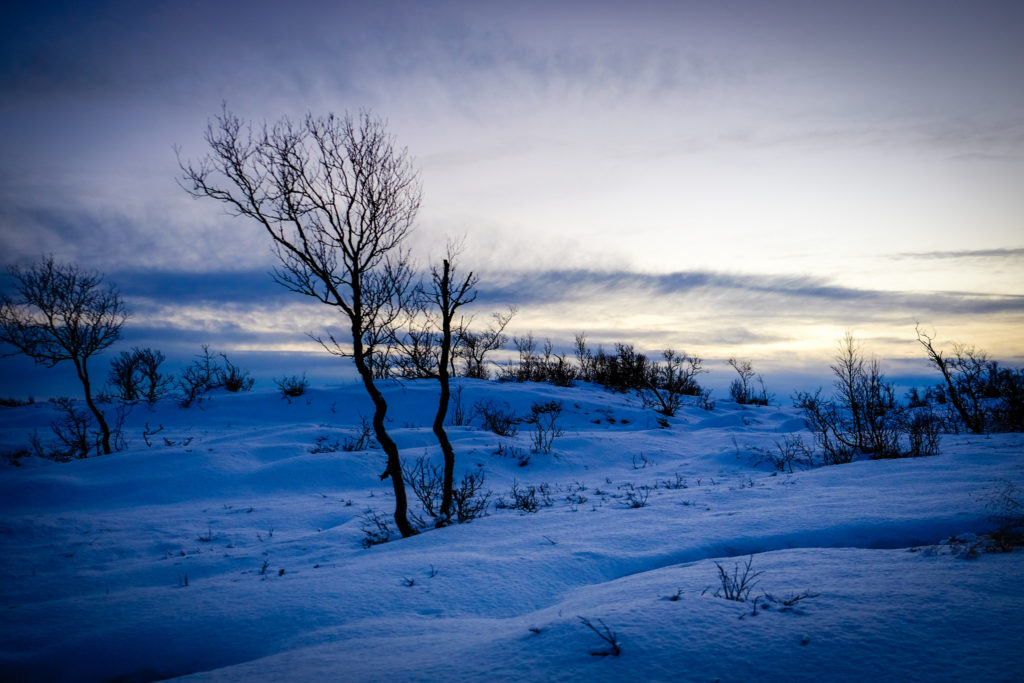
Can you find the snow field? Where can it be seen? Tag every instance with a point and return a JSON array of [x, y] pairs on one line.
[[231, 552]]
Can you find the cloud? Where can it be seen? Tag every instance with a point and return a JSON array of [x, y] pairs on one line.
[[744, 294], [1006, 253]]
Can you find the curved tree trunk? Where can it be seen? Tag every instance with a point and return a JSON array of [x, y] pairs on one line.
[[380, 409], [83, 375]]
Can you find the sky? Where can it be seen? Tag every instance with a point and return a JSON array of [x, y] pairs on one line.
[[728, 178]]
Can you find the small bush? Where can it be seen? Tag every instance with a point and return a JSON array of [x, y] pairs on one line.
[[510, 451], [135, 375], [324, 444], [293, 386], [737, 586], [426, 480], [636, 497], [363, 440], [1007, 513], [607, 635], [544, 418], [74, 432], [234, 378], [529, 499], [469, 500], [199, 377], [375, 527], [16, 402], [496, 418]]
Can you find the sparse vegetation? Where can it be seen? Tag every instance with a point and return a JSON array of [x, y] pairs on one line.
[[544, 418], [292, 386], [526, 499], [614, 648], [135, 375], [864, 418], [737, 586], [985, 397], [497, 418]]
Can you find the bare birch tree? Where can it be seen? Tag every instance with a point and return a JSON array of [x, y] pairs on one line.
[[63, 313], [338, 200]]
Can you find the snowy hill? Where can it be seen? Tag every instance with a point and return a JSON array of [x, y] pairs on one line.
[[225, 550]]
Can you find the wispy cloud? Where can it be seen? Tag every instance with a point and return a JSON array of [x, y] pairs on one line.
[[1007, 253], [787, 295]]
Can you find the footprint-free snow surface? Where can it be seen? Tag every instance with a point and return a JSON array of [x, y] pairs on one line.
[[225, 543]]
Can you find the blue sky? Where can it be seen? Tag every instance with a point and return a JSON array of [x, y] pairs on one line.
[[732, 178]]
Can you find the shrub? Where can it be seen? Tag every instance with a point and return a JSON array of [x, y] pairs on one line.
[[135, 375], [375, 527], [529, 499], [984, 396], [205, 374], [199, 377], [546, 367], [496, 418], [605, 634], [864, 418], [12, 402], [737, 586], [363, 438], [1007, 509], [742, 390], [544, 418], [234, 378], [426, 480], [293, 386], [667, 382]]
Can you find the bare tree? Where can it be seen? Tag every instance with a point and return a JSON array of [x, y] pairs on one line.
[[338, 200], [474, 346], [136, 375], [666, 383], [427, 350], [964, 374], [740, 388], [63, 313]]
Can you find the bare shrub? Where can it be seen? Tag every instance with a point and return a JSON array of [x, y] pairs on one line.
[[234, 378], [135, 375], [496, 418], [526, 499], [607, 635], [923, 428], [742, 390], [864, 418], [375, 528], [473, 346], [668, 381], [790, 450], [469, 500], [737, 586], [636, 496], [544, 418], [292, 386], [199, 377], [984, 396], [363, 438], [1007, 513], [74, 432], [546, 366]]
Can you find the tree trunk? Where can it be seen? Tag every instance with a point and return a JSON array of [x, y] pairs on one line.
[[380, 409], [83, 375], [442, 405]]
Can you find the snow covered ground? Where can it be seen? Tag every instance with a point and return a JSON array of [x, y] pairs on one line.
[[228, 551]]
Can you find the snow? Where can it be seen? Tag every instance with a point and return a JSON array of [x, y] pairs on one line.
[[227, 551]]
